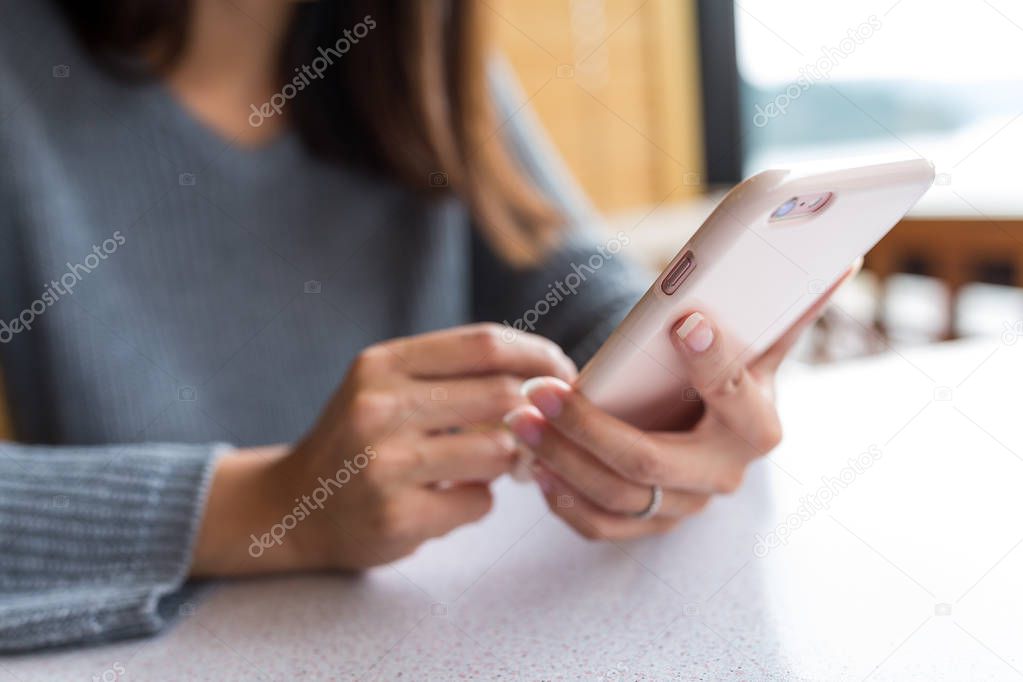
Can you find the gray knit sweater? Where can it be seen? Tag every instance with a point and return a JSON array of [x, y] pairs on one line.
[[165, 292]]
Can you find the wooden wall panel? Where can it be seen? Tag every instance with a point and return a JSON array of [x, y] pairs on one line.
[[615, 83]]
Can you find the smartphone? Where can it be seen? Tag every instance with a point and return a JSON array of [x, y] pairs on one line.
[[770, 249]]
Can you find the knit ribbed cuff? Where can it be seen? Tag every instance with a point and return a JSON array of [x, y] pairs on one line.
[[93, 538]]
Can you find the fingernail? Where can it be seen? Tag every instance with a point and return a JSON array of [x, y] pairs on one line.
[[505, 442], [544, 480], [522, 471], [696, 333], [573, 371], [524, 428], [546, 393]]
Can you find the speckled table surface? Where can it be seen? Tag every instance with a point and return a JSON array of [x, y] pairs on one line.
[[881, 540]]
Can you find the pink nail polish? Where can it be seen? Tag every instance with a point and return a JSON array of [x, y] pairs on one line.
[[524, 428], [505, 442], [696, 333], [544, 480], [546, 394], [522, 471]]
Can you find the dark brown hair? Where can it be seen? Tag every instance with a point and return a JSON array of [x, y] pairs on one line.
[[409, 101]]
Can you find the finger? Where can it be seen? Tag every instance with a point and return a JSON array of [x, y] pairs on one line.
[[480, 349], [589, 520], [600, 484], [769, 361], [461, 403], [713, 459], [718, 373], [471, 456], [453, 507], [707, 460], [581, 421]]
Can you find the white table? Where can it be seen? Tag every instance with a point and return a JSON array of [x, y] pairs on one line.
[[913, 571]]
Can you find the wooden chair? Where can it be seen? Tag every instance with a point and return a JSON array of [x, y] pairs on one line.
[[956, 251]]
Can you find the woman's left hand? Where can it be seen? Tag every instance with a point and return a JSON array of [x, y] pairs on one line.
[[598, 473]]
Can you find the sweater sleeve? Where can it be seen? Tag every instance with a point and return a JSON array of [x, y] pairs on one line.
[[582, 290], [97, 541]]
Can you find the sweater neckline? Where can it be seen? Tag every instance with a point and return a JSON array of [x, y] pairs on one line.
[[214, 147]]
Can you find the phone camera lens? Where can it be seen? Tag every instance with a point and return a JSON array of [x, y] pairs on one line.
[[784, 209]]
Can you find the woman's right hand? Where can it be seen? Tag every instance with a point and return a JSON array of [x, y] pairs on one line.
[[404, 452]]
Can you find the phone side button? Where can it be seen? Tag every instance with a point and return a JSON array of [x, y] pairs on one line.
[[678, 273]]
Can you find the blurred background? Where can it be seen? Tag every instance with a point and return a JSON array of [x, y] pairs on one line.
[[658, 106]]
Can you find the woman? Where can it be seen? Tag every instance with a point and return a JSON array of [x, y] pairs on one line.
[[235, 203]]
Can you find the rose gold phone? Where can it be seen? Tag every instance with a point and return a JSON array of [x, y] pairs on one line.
[[772, 246]]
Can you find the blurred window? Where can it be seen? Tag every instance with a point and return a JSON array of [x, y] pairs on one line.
[[941, 79]]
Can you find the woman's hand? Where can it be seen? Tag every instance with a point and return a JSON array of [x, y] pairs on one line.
[[403, 452], [598, 472]]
